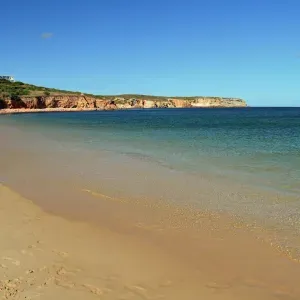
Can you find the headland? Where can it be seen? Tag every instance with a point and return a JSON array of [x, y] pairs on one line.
[[19, 97]]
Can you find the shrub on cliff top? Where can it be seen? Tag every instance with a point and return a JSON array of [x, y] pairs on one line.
[[3, 104], [15, 97]]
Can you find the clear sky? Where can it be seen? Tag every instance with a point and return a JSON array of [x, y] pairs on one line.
[[240, 48]]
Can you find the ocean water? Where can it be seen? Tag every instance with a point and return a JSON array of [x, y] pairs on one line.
[[253, 146], [241, 162], [215, 189]]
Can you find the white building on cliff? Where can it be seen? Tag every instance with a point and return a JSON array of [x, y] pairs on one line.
[[8, 78]]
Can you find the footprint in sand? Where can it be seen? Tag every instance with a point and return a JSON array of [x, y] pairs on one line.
[[60, 253], [35, 247], [3, 266], [13, 261], [64, 284], [61, 270], [46, 282], [93, 289]]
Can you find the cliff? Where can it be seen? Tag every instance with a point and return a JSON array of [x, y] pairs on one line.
[[82, 102], [23, 96]]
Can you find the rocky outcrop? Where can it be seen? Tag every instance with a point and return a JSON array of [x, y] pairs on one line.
[[60, 101], [218, 102], [14, 103], [110, 102], [208, 102]]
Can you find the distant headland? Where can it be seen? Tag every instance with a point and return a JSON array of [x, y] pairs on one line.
[[17, 97]]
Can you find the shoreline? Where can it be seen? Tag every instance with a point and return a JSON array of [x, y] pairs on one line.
[[9, 111], [43, 110]]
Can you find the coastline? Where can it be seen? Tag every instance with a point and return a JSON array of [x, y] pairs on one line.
[[43, 110], [8, 111], [19, 97]]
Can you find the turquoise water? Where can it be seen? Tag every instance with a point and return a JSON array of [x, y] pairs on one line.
[[258, 146]]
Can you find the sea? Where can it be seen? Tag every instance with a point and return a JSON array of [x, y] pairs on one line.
[[240, 161]]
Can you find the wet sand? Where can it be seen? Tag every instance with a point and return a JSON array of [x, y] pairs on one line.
[[45, 256], [93, 241]]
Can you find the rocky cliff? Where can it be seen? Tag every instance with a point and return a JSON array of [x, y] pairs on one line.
[[115, 102]]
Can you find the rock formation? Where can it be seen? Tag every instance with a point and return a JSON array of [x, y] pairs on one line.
[[110, 102]]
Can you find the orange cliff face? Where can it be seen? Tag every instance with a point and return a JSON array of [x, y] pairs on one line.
[[87, 102]]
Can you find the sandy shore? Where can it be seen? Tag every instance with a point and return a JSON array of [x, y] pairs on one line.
[[43, 256], [37, 110], [46, 257]]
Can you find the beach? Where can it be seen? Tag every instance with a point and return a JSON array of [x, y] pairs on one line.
[[45, 256], [79, 222]]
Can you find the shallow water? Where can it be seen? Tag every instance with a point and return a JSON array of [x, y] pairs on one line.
[[242, 162], [181, 182], [258, 146]]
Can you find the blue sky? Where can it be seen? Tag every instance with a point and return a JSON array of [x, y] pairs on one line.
[[248, 49]]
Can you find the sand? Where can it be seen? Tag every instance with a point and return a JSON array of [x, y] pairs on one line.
[[46, 257], [43, 256]]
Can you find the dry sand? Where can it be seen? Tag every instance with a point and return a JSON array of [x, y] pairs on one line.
[[46, 257], [43, 256]]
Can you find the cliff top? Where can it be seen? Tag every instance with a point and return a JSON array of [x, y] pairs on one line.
[[14, 90]]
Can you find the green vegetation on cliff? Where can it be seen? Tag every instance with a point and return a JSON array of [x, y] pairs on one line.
[[14, 90], [19, 95]]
